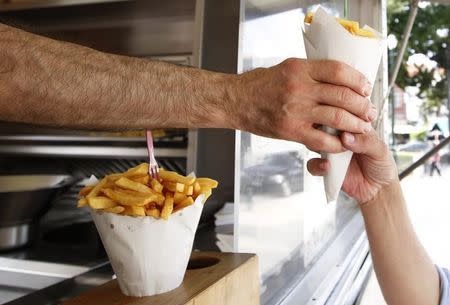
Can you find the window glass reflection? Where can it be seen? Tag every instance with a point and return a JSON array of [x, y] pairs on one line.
[[282, 212]]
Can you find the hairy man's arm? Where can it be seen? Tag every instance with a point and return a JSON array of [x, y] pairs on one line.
[[47, 82]]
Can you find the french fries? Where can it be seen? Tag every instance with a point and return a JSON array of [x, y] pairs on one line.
[[153, 211], [128, 184], [184, 203], [135, 193], [86, 190], [167, 208], [101, 202], [116, 210], [349, 25]]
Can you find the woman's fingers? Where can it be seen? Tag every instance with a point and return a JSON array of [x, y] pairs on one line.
[[368, 144], [318, 140]]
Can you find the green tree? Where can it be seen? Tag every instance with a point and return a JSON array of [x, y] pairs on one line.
[[429, 36]]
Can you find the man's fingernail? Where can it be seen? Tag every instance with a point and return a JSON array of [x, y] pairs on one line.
[[372, 113], [349, 138], [367, 89]]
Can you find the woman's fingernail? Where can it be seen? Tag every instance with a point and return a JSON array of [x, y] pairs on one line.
[[349, 138], [367, 129], [367, 89], [324, 165]]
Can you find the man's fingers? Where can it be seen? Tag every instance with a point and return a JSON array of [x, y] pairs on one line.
[[369, 144], [347, 99], [318, 140], [339, 119], [318, 167], [338, 73]]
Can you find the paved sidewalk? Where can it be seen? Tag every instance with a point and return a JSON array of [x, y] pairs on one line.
[[428, 201]]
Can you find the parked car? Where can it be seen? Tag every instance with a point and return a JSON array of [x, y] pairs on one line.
[[413, 146], [408, 153], [280, 174]]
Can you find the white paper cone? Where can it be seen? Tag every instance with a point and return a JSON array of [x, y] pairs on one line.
[[148, 255], [325, 38]]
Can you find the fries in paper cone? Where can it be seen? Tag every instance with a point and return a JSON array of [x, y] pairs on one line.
[[147, 226], [326, 37]]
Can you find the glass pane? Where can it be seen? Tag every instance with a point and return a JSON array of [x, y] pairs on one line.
[[283, 215]]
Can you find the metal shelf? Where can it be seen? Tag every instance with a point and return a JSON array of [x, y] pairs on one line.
[[68, 138], [131, 27], [80, 146], [16, 5], [91, 151]]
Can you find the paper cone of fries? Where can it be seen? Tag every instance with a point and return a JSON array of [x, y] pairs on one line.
[[149, 256], [325, 38]]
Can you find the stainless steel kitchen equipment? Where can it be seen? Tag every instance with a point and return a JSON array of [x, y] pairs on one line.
[[24, 199]]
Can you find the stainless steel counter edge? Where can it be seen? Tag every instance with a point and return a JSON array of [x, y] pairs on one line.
[[40, 268], [57, 293]]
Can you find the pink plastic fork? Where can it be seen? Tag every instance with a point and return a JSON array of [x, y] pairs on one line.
[[153, 168]]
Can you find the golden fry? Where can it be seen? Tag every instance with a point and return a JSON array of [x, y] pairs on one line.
[[82, 202], [170, 186], [365, 33], [309, 17], [153, 212], [351, 26], [142, 179], [116, 210], [180, 187], [156, 186], [159, 199], [96, 190], [129, 199], [101, 202], [129, 184], [167, 208], [185, 203], [189, 190], [178, 197], [175, 177], [140, 170], [113, 177], [210, 183], [197, 189], [134, 211], [86, 190]]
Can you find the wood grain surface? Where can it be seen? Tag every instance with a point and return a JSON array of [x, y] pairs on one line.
[[233, 280]]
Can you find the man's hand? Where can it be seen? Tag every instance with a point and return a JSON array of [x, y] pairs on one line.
[[291, 100], [371, 168], [61, 84]]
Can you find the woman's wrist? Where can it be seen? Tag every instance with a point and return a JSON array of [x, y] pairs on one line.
[[388, 194]]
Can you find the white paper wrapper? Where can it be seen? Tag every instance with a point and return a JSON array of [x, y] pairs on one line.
[[325, 38], [149, 256]]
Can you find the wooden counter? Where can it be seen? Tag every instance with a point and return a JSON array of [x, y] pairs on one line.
[[227, 279]]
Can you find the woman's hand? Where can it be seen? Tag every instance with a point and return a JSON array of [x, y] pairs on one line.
[[371, 168]]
